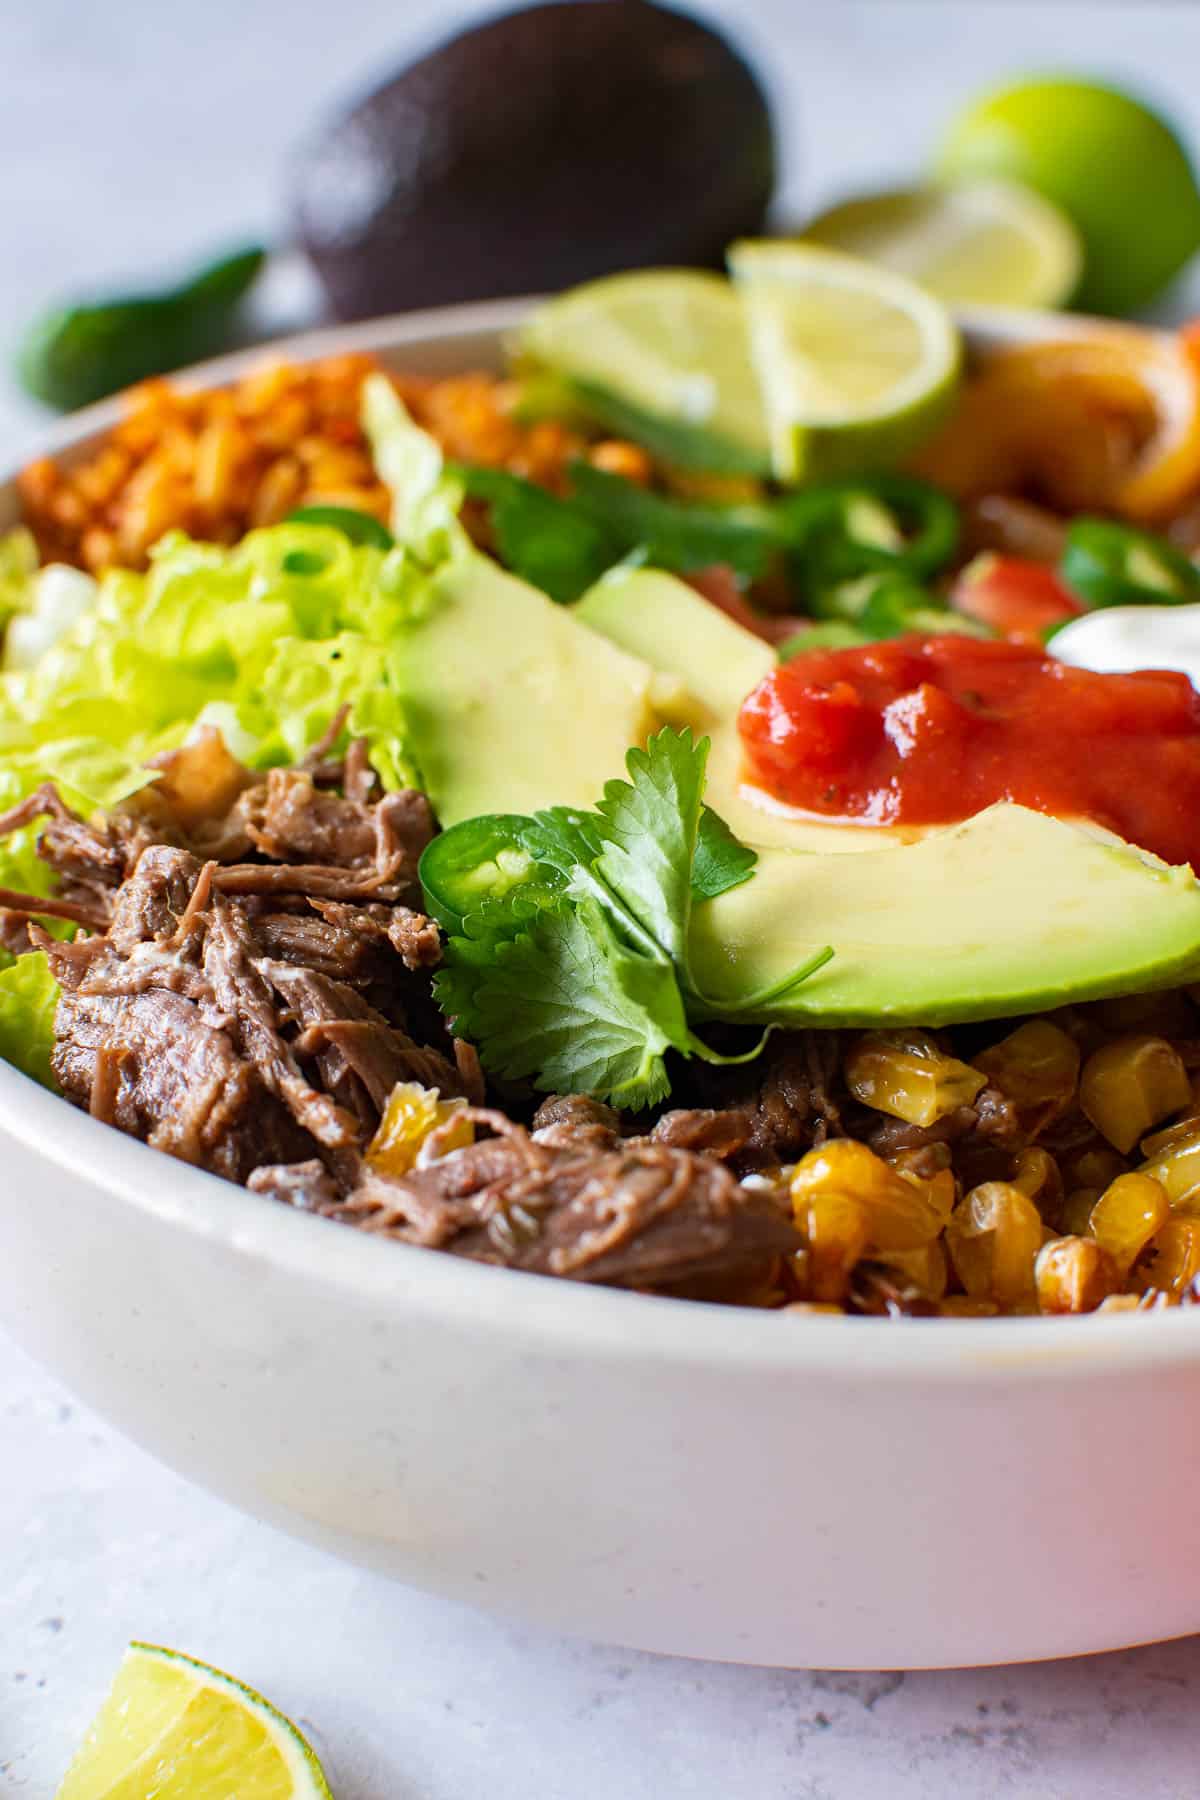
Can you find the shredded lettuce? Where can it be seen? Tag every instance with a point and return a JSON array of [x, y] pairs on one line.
[[18, 569], [28, 997], [425, 498], [271, 638]]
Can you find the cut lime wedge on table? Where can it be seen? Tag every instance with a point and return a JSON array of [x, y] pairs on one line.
[[663, 356], [179, 1730], [856, 365], [980, 243]]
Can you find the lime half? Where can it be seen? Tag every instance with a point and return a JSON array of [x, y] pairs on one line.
[[178, 1730], [856, 365], [662, 356], [980, 243], [1115, 167]]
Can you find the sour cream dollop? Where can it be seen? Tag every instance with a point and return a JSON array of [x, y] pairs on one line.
[[1119, 640]]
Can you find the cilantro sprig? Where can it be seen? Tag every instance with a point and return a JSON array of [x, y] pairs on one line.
[[568, 962]]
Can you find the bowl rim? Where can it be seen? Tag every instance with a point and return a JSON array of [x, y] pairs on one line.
[[566, 1318]]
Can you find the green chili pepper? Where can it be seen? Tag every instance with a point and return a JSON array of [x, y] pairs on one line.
[[846, 529], [478, 860], [359, 527], [1107, 564], [78, 354]]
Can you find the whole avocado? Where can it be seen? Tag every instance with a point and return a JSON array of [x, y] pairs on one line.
[[536, 150]]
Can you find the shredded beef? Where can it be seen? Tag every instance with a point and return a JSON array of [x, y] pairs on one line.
[[639, 1215], [237, 1030], [574, 1121], [305, 1185]]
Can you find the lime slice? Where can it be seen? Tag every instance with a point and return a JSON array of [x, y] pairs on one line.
[[984, 243], [856, 365], [178, 1730], [662, 356]]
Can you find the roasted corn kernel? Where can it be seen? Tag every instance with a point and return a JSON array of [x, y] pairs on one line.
[[926, 1268], [900, 1212], [1173, 1259], [1174, 1160], [1037, 1066], [907, 1075], [834, 1224], [1126, 1217], [1076, 1210], [1094, 1167], [1073, 1275], [411, 1117], [1130, 1085], [1037, 1174], [993, 1237]]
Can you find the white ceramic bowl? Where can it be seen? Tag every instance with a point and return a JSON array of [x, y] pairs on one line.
[[825, 1492]]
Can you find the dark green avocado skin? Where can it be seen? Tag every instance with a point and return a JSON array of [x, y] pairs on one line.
[[536, 150]]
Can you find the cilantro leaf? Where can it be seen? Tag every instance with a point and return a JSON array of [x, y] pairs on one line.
[[566, 1004], [550, 543], [650, 826], [722, 861], [579, 981]]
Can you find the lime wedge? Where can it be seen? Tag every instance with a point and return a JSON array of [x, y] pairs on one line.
[[981, 243], [178, 1730], [662, 356], [856, 365]]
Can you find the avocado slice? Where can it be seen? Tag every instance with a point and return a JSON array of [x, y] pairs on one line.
[[666, 623], [515, 704], [1007, 913]]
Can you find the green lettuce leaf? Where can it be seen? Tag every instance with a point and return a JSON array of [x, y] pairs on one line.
[[269, 639], [425, 499], [28, 998]]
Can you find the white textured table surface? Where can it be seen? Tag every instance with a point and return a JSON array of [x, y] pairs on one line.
[[133, 133]]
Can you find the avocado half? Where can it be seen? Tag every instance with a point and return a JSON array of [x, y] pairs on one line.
[[533, 151]]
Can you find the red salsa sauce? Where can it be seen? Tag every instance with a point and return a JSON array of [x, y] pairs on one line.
[[924, 731]]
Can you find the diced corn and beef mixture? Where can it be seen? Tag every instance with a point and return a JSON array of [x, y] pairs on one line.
[[1050, 1165]]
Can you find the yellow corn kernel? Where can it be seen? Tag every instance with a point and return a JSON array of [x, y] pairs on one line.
[[813, 1306], [907, 1075], [1130, 1086], [1036, 1065], [1073, 1275], [901, 1211], [413, 1113], [1174, 1160], [926, 1268], [834, 1225], [1096, 1167], [993, 1237], [1120, 1303], [1037, 1174], [1076, 1210], [1126, 1217], [1174, 1259]]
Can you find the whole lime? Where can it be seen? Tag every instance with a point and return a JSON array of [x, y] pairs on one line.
[[1116, 169]]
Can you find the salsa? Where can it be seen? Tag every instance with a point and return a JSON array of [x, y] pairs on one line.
[[924, 731]]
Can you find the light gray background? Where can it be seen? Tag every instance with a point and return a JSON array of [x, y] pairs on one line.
[[134, 134]]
